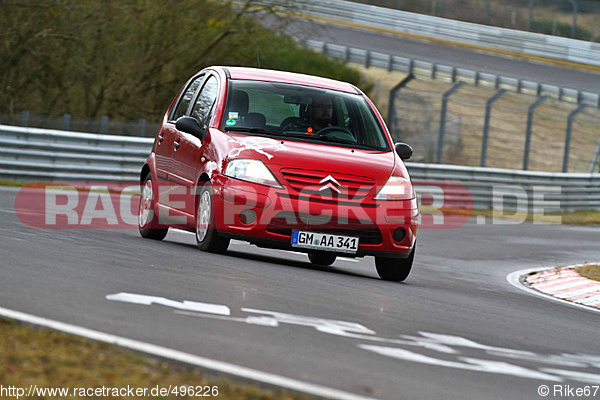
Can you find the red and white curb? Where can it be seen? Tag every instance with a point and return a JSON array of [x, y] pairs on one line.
[[546, 283], [566, 284]]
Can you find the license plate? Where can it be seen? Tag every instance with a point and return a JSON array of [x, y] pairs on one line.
[[325, 241]]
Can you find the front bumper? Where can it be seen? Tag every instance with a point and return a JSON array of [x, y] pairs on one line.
[[266, 216]]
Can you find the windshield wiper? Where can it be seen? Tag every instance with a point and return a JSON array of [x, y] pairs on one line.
[[252, 130], [332, 139], [336, 139]]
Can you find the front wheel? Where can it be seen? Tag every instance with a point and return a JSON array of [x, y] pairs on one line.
[[394, 269], [146, 219], [207, 237]]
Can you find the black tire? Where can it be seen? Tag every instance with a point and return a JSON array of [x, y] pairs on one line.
[[324, 259], [395, 269], [207, 237], [147, 219]]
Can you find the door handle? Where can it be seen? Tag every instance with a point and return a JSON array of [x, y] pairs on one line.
[[160, 138], [176, 144]]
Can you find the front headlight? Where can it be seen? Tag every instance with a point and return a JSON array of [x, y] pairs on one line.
[[252, 171], [396, 188]]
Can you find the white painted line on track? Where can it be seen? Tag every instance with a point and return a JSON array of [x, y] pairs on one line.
[[514, 279], [164, 352]]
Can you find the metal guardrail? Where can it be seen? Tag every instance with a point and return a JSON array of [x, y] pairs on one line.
[[30, 154], [463, 32], [530, 191], [450, 73]]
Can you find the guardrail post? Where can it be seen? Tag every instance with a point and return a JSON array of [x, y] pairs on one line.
[[25, 119], [497, 82], [390, 63], [368, 59], [476, 79], [433, 70], [346, 55], [141, 127], [104, 125], [519, 86], [411, 66], [530, 113], [392, 101], [486, 127], [66, 122], [445, 98], [568, 136], [453, 74]]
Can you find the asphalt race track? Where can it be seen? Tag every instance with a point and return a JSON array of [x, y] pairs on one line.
[[444, 54], [456, 329]]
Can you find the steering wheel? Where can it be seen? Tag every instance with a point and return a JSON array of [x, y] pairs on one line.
[[293, 124], [328, 129]]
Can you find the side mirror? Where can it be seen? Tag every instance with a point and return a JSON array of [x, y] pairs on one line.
[[190, 125], [404, 151]]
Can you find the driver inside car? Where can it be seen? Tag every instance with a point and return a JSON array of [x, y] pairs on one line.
[[319, 113]]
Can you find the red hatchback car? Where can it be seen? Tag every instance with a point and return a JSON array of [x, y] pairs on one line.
[[285, 161]]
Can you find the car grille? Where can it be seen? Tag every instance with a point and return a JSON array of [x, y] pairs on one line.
[[284, 222], [309, 182]]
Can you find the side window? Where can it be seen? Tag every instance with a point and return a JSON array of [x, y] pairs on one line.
[[185, 100], [204, 103]]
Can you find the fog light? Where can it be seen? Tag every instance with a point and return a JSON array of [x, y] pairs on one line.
[[247, 217], [399, 234]]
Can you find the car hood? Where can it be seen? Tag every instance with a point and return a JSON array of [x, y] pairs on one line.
[[284, 154]]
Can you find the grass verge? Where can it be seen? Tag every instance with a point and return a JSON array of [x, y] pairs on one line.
[[565, 218], [51, 359], [590, 272]]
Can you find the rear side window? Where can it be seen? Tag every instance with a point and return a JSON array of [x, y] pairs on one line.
[[186, 98]]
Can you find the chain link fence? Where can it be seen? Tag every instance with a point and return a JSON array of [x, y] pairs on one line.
[[495, 128]]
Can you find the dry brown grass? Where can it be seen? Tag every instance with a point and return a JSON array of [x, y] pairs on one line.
[[50, 359], [590, 272]]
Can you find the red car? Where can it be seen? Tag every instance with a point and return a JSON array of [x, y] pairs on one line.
[[285, 161]]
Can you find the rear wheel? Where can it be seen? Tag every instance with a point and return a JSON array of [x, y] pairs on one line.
[[324, 259], [147, 223], [394, 269], [207, 237]]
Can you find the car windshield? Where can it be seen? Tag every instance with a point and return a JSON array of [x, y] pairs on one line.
[[302, 113]]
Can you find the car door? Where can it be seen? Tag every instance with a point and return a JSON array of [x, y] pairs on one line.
[[188, 149], [166, 140]]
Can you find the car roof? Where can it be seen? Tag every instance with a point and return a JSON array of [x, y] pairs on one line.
[[268, 75]]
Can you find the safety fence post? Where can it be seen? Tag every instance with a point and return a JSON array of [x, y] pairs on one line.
[[486, 126], [445, 99], [570, 119], [392, 104], [530, 113]]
